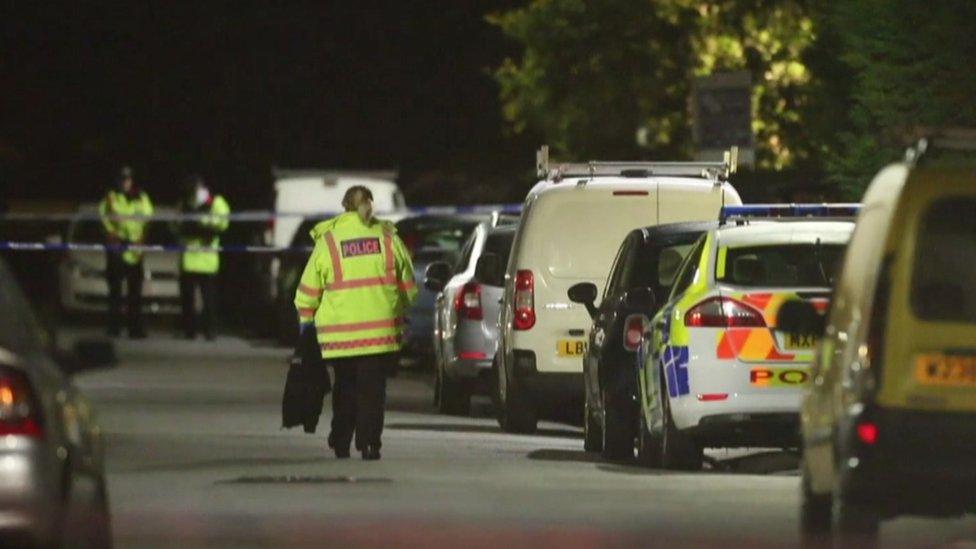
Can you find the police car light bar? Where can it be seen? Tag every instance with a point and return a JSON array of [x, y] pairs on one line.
[[715, 171], [791, 212]]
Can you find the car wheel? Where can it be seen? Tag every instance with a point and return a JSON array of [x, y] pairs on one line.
[[618, 421], [454, 396], [648, 445], [855, 524], [815, 514], [518, 415], [677, 450], [592, 433]]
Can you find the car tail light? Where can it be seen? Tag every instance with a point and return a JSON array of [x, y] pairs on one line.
[[524, 300], [19, 414], [633, 331], [712, 397], [867, 433], [467, 302], [723, 312]]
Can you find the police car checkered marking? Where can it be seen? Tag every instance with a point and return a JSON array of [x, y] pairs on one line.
[[675, 365]]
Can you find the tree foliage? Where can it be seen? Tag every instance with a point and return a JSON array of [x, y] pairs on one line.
[[612, 77], [888, 67]]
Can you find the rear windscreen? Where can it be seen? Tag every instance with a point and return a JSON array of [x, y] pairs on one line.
[[944, 282], [781, 265], [500, 244]]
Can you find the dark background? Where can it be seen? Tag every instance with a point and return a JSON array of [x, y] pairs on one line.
[[231, 89]]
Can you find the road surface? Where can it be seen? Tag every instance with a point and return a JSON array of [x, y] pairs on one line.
[[196, 458]]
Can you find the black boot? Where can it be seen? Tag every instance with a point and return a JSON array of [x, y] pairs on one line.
[[371, 453], [341, 452]]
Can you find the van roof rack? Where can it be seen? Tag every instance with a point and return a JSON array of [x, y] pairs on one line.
[[944, 139], [789, 212], [714, 171]]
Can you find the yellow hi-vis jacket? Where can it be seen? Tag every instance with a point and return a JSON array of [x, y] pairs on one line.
[[206, 235], [357, 285], [116, 211]]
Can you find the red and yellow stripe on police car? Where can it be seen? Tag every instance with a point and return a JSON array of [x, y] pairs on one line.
[[759, 344]]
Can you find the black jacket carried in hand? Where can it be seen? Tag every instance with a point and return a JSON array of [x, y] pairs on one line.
[[307, 384]]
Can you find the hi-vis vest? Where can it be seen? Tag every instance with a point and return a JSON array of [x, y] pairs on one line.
[[206, 262], [116, 205], [356, 287]]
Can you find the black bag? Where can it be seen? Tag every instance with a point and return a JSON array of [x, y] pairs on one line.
[[307, 384]]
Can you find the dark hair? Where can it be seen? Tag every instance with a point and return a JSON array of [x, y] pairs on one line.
[[355, 196]]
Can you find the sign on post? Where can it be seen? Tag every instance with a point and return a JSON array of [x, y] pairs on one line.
[[721, 110]]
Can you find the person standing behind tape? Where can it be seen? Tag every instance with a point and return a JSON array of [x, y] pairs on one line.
[[199, 267], [120, 211], [356, 287]]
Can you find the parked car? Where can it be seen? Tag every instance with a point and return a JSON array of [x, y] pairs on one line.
[[640, 281], [572, 223], [52, 479], [888, 424], [83, 286], [465, 336], [430, 239], [717, 372]]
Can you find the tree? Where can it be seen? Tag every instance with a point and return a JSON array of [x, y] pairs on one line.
[[612, 77], [894, 65]]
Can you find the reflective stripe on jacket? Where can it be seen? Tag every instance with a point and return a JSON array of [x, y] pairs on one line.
[[357, 285], [116, 205], [214, 223]]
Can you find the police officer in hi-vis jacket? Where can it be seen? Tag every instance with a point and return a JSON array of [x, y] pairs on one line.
[[123, 212], [354, 292]]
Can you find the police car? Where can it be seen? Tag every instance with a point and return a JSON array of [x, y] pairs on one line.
[[713, 371]]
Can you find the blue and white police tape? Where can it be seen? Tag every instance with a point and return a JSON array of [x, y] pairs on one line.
[[147, 248], [259, 216]]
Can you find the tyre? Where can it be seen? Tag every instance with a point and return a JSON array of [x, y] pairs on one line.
[[453, 397], [677, 450], [648, 445], [618, 423], [855, 524], [518, 415], [815, 514], [592, 433]]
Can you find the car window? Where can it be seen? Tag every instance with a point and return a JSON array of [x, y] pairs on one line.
[[617, 271], [19, 330], [686, 274], [500, 244], [944, 281], [465, 257], [782, 265]]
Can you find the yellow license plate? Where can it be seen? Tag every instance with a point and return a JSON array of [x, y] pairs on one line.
[[946, 370], [794, 342], [570, 347]]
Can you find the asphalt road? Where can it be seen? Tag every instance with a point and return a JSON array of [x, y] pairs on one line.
[[196, 458]]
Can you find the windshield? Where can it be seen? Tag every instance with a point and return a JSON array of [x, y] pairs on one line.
[[944, 283], [781, 265]]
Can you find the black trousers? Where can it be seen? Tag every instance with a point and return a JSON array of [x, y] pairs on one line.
[[116, 269], [359, 399], [189, 282]]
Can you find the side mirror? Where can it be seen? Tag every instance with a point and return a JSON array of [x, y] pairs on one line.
[[488, 269], [584, 293], [640, 299], [796, 317], [436, 276], [89, 354]]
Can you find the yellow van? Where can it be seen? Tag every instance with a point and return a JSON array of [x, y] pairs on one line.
[[888, 425]]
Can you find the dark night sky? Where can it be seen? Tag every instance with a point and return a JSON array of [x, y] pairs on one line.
[[231, 88]]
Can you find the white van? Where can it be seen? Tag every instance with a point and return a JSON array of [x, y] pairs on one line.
[[573, 222], [311, 192]]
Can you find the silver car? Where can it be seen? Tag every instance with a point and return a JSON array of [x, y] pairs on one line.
[[466, 316], [83, 285], [52, 479]]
